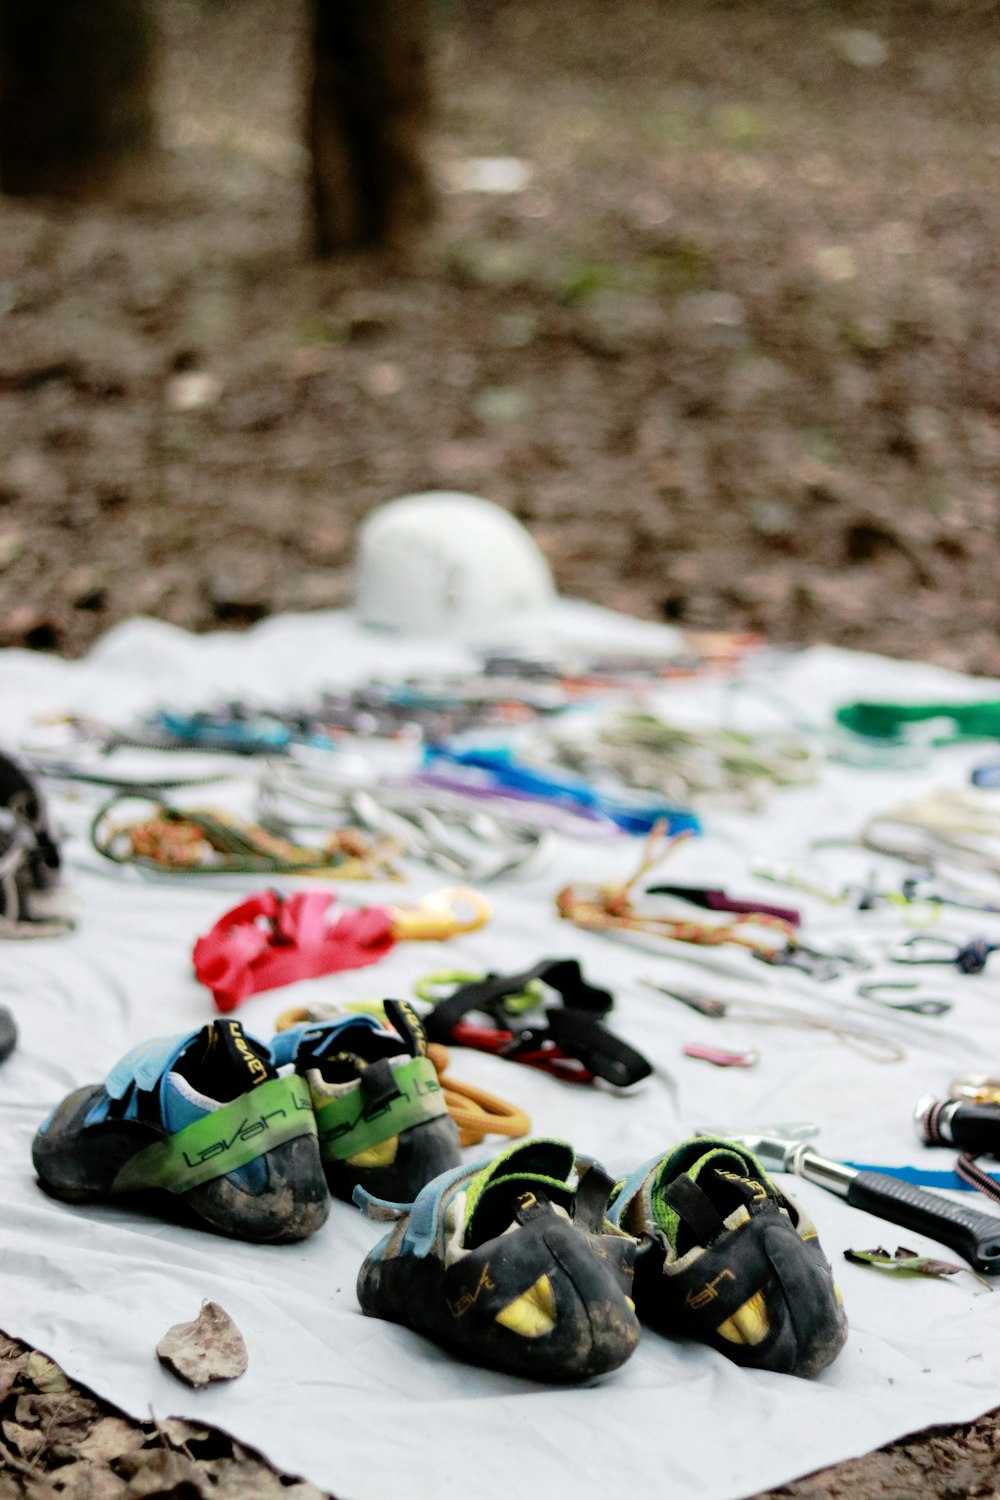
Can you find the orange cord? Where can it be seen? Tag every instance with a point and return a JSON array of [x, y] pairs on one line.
[[607, 908], [476, 1113]]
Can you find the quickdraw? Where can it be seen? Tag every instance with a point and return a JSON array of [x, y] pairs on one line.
[[649, 753], [429, 825], [869, 1044]]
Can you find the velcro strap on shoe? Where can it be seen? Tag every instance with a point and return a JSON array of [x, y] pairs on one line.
[[591, 1200], [351, 1122], [506, 1199], [223, 1141], [695, 1208], [380, 1085]]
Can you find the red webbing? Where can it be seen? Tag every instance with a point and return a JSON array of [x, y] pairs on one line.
[[269, 940]]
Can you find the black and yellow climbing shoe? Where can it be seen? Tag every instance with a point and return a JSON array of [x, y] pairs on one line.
[[512, 1264], [726, 1258], [201, 1123]]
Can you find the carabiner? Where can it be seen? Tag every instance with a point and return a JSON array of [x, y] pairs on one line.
[[442, 914], [926, 1007]]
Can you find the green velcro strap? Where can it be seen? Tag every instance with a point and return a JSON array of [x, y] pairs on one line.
[[347, 1127], [271, 1114]]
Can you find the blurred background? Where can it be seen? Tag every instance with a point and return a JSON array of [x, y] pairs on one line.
[[707, 294]]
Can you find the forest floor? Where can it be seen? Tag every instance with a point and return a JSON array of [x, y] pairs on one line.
[[731, 349]]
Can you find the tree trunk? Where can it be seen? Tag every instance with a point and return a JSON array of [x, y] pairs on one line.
[[368, 103], [76, 82]]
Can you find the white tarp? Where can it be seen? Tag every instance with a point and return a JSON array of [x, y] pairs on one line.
[[369, 1410]]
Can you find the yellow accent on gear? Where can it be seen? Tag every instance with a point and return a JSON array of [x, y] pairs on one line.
[[383, 1154], [533, 1313], [749, 1324]]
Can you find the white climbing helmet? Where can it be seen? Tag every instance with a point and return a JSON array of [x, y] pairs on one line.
[[446, 563]]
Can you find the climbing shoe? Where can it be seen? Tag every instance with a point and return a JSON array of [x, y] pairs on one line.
[[726, 1258], [511, 1263], [203, 1118], [381, 1116]]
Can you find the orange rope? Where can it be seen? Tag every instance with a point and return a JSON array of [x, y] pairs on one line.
[[476, 1113], [609, 908]]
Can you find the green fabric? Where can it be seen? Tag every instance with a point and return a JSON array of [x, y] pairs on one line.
[[272, 1113], [888, 721], [495, 1170], [344, 1129], [665, 1216]]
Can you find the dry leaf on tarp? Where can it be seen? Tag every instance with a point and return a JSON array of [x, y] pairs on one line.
[[209, 1348], [908, 1263]]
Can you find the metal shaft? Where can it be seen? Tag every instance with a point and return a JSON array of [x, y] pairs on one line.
[[833, 1175]]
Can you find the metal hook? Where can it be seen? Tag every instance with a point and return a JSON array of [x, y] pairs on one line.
[[926, 1007], [811, 961]]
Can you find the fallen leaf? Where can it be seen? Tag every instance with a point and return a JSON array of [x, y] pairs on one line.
[[10, 1370], [110, 1437], [209, 1348], [162, 1471], [906, 1262], [237, 1480], [26, 1440], [43, 1374], [176, 1432], [58, 1409], [89, 1481]]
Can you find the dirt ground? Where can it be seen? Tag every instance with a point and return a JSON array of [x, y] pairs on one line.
[[732, 351]]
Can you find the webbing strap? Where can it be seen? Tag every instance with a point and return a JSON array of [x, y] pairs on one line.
[[351, 1123], [574, 1029], [487, 994], [219, 1143], [270, 940]]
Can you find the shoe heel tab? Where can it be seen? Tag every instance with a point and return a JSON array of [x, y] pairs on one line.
[[379, 1209], [404, 1019]]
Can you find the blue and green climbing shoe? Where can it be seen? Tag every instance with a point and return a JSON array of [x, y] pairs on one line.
[[201, 1123]]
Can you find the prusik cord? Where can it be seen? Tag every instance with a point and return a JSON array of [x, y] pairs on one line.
[[610, 908]]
